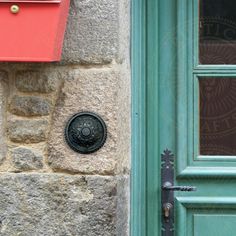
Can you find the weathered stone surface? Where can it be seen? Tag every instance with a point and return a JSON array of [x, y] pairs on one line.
[[37, 81], [86, 90], [93, 32], [63, 204], [3, 100], [30, 106], [55, 204], [124, 121], [123, 206], [27, 131], [25, 159]]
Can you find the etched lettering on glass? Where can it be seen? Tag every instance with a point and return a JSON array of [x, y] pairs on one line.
[[217, 116], [217, 30]]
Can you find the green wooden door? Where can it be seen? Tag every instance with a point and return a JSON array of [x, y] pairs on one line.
[[189, 98]]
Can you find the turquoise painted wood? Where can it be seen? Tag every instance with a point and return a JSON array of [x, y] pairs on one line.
[[212, 209], [191, 163], [166, 115], [138, 178], [145, 186]]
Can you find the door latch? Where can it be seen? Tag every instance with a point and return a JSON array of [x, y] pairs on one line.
[[168, 189]]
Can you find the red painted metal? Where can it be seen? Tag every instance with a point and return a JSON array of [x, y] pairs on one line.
[[35, 33]]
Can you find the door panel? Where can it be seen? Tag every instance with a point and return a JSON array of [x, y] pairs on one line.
[[205, 216], [193, 145], [223, 224], [205, 125]]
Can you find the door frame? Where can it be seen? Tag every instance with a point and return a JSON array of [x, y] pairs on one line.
[[154, 72], [145, 183]]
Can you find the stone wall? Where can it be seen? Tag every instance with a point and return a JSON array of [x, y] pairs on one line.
[[45, 187]]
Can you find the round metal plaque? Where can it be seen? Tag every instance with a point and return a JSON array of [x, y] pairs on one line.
[[86, 132]]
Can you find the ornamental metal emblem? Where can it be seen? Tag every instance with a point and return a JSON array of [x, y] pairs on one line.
[[86, 132]]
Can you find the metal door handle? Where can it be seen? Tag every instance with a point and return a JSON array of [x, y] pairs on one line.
[[167, 192], [169, 187]]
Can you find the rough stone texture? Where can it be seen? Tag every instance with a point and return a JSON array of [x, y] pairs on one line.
[[124, 121], [123, 206], [86, 90], [30, 106], [37, 81], [3, 100], [60, 205], [95, 31], [25, 159], [27, 131], [93, 76], [124, 34]]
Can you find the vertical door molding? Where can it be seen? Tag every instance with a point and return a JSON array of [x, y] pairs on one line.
[[138, 162], [145, 184]]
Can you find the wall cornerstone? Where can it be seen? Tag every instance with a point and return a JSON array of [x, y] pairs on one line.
[[46, 187]]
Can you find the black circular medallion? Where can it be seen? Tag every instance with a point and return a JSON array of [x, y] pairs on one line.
[[86, 132]]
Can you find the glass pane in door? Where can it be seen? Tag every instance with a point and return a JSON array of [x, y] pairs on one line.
[[217, 31], [217, 116]]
